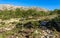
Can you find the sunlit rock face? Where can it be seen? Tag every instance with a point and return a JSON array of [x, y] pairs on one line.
[[5, 6], [9, 7]]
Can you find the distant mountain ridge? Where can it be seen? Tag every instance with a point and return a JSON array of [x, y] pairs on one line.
[[9, 7]]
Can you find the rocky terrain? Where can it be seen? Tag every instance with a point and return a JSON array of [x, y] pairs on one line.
[[25, 22], [9, 26]]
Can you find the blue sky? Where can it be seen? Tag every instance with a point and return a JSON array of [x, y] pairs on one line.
[[47, 4]]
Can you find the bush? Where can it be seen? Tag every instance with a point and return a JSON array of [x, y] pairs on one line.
[[18, 25]]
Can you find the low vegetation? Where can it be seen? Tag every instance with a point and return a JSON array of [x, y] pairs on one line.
[[28, 23]]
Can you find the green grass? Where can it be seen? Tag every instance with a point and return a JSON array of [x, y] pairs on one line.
[[1, 36]]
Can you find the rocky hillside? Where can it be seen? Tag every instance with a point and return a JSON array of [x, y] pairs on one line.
[[25, 22]]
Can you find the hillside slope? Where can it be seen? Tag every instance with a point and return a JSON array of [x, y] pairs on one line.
[[25, 22]]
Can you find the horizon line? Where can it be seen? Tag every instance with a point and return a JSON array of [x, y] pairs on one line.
[[29, 6]]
